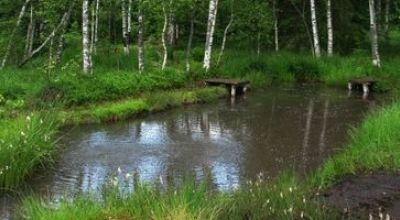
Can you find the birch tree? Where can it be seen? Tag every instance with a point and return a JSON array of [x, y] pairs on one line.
[[30, 35], [190, 40], [387, 12], [87, 56], [212, 17], [140, 39], [19, 19], [317, 49], [221, 53], [276, 29], [94, 27], [124, 26], [376, 61], [329, 27], [163, 36], [50, 37]]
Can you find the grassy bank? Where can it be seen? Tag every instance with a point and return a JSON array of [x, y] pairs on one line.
[[374, 146], [151, 102]]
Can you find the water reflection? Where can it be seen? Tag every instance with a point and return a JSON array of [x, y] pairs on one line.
[[225, 144]]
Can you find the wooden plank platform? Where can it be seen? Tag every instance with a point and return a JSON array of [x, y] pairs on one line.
[[235, 86], [365, 84]]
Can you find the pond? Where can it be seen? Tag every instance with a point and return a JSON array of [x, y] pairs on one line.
[[230, 141]]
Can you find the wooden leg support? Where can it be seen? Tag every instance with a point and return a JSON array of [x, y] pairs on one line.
[[365, 88], [233, 91], [350, 86]]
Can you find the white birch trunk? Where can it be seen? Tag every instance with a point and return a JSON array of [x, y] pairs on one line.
[[163, 36], [124, 26], [221, 53], [129, 21], [92, 27], [50, 36], [212, 17], [189, 45], [21, 14], [30, 33], [329, 27], [96, 26], [87, 57], [376, 61], [140, 39], [317, 49], [276, 27]]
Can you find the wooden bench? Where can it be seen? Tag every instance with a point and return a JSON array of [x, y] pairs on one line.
[[364, 84], [235, 86]]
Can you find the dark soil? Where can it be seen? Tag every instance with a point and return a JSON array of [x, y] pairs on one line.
[[360, 197]]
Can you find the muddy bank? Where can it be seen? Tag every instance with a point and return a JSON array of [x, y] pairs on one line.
[[360, 197]]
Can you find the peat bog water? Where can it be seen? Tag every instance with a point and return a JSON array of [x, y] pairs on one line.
[[270, 131]]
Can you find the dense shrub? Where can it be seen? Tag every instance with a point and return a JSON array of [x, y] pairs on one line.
[[304, 70]]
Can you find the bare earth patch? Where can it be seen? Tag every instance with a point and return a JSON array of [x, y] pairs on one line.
[[374, 196]]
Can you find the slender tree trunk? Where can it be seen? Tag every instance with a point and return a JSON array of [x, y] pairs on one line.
[[378, 15], [87, 56], [63, 22], [308, 32], [212, 17], [387, 12], [276, 27], [221, 53], [140, 39], [124, 27], [376, 61], [30, 33], [92, 27], [96, 27], [314, 24], [189, 45], [329, 27], [61, 38], [163, 36], [258, 44], [21, 14], [129, 21]]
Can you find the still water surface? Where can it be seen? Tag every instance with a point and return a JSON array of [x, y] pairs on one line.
[[275, 130]]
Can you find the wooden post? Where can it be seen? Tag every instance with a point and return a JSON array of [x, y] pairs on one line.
[[350, 86], [233, 90], [365, 88]]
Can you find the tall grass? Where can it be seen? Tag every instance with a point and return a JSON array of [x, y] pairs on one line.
[[375, 145], [255, 200], [26, 143]]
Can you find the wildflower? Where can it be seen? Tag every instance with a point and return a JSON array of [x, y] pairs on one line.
[[114, 182], [41, 121], [290, 189], [290, 209], [281, 194], [304, 200], [119, 170], [161, 180], [28, 118], [22, 133], [128, 175], [268, 201], [302, 214]]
